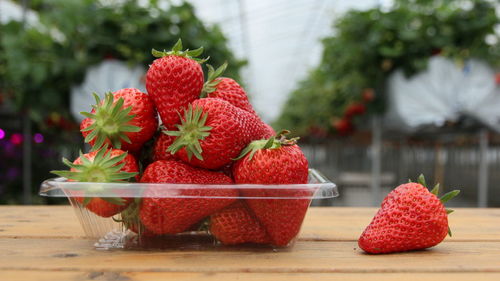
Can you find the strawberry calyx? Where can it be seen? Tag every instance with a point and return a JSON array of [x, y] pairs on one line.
[[273, 142], [110, 123], [103, 168], [191, 130], [445, 198], [211, 84], [177, 51], [130, 217]]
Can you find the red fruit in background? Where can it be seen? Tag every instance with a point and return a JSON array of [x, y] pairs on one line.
[[160, 147], [104, 165], [173, 215], [236, 224], [410, 218], [343, 126], [173, 81], [125, 119], [67, 124], [497, 78], [226, 89], [436, 51], [215, 132], [368, 95], [109, 56], [355, 108], [54, 119], [318, 132], [275, 161]]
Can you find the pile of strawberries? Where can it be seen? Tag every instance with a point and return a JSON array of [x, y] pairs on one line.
[[209, 134]]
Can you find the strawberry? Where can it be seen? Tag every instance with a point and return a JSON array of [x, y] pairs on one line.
[[131, 221], [436, 51], [355, 108], [104, 165], [173, 81], [317, 132], [236, 224], [226, 89], [125, 119], [160, 147], [410, 218], [174, 214], [269, 131], [368, 95], [275, 161], [229, 90], [215, 132], [343, 126]]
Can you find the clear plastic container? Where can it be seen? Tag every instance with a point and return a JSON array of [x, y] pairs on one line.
[[191, 216]]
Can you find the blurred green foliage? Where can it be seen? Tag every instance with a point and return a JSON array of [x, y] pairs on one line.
[[40, 63], [367, 46]]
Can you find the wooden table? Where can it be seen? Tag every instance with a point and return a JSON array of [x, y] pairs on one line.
[[46, 243]]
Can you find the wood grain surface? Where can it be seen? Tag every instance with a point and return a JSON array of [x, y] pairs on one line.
[[47, 243], [16, 275], [321, 223]]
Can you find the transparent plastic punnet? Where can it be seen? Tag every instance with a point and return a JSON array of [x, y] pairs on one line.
[[168, 216]]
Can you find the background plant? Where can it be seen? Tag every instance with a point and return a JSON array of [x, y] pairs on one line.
[[40, 62], [367, 46]]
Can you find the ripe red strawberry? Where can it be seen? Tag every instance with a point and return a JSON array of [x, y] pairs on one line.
[[229, 90], [368, 95], [226, 89], [173, 81], [215, 132], [436, 51], [355, 108], [104, 165], [275, 161], [125, 119], [162, 142], [317, 132], [172, 215], [236, 224], [410, 218], [343, 126], [269, 131]]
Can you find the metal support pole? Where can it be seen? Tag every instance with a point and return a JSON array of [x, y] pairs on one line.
[[27, 160], [376, 160], [27, 137], [244, 26], [25, 11], [482, 194], [245, 39], [403, 161]]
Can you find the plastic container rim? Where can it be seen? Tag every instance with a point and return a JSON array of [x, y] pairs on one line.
[[60, 187]]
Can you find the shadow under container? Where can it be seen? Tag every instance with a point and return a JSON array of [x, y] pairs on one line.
[[125, 231]]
